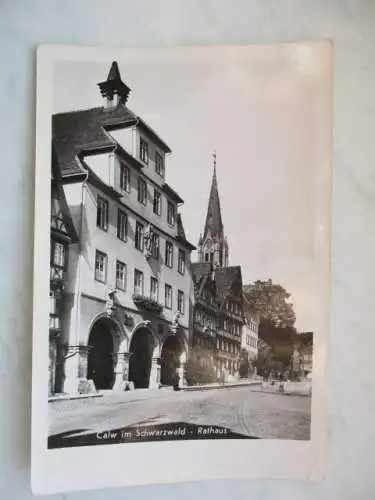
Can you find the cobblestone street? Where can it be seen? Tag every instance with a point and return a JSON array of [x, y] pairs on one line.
[[250, 411]]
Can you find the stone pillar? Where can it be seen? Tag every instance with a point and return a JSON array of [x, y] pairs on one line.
[[181, 371], [75, 368], [52, 365], [121, 361], [155, 372], [181, 375]]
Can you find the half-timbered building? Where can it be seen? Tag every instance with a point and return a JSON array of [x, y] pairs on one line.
[[62, 236]]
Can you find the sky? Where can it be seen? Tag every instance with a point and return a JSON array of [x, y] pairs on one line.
[[265, 110]]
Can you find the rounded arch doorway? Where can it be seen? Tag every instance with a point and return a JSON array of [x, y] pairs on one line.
[[141, 349], [170, 360], [100, 365]]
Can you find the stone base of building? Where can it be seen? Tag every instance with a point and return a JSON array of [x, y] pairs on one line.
[[79, 386]]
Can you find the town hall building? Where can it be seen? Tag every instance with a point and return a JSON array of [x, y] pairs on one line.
[[129, 288]]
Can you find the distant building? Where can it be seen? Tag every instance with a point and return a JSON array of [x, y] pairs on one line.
[[129, 287], [63, 235], [303, 353], [206, 307], [250, 330], [218, 299]]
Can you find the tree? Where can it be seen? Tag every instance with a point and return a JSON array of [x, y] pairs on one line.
[[264, 358], [244, 367], [200, 368], [277, 318], [271, 302]]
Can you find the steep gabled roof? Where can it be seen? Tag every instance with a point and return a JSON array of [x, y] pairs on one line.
[[57, 189], [201, 272], [172, 193], [181, 237], [77, 133], [228, 280], [85, 131]]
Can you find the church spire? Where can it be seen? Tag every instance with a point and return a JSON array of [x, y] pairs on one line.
[[213, 246], [214, 224]]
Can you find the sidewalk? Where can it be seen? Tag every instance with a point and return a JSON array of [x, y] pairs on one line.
[[301, 388], [109, 396], [140, 394], [226, 385]]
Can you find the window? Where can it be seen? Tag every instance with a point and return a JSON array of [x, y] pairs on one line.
[[168, 254], [138, 282], [122, 225], [154, 289], [120, 275], [58, 254], [139, 236], [207, 257], [155, 246], [101, 266], [180, 302], [125, 178], [142, 191], [143, 150], [157, 202], [168, 296], [159, 164], [171, 213], [102, 214], [181, 261]]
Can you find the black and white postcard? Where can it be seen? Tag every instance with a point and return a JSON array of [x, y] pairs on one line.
[[182, 242]]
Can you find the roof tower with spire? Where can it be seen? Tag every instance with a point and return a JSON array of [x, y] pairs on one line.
[[213, 246]]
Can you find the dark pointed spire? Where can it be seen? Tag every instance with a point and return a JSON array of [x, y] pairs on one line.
[[114, 85], [214, 222], [114, 72]]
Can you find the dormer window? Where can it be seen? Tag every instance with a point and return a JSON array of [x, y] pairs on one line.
[[142, 191], [159, 164], [157, 202], [171, 213], [125, 178], [143, 150]]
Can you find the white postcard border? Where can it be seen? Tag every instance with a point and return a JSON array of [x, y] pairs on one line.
[[81, 468]]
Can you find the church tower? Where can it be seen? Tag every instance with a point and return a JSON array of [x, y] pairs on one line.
[[213, 245]]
